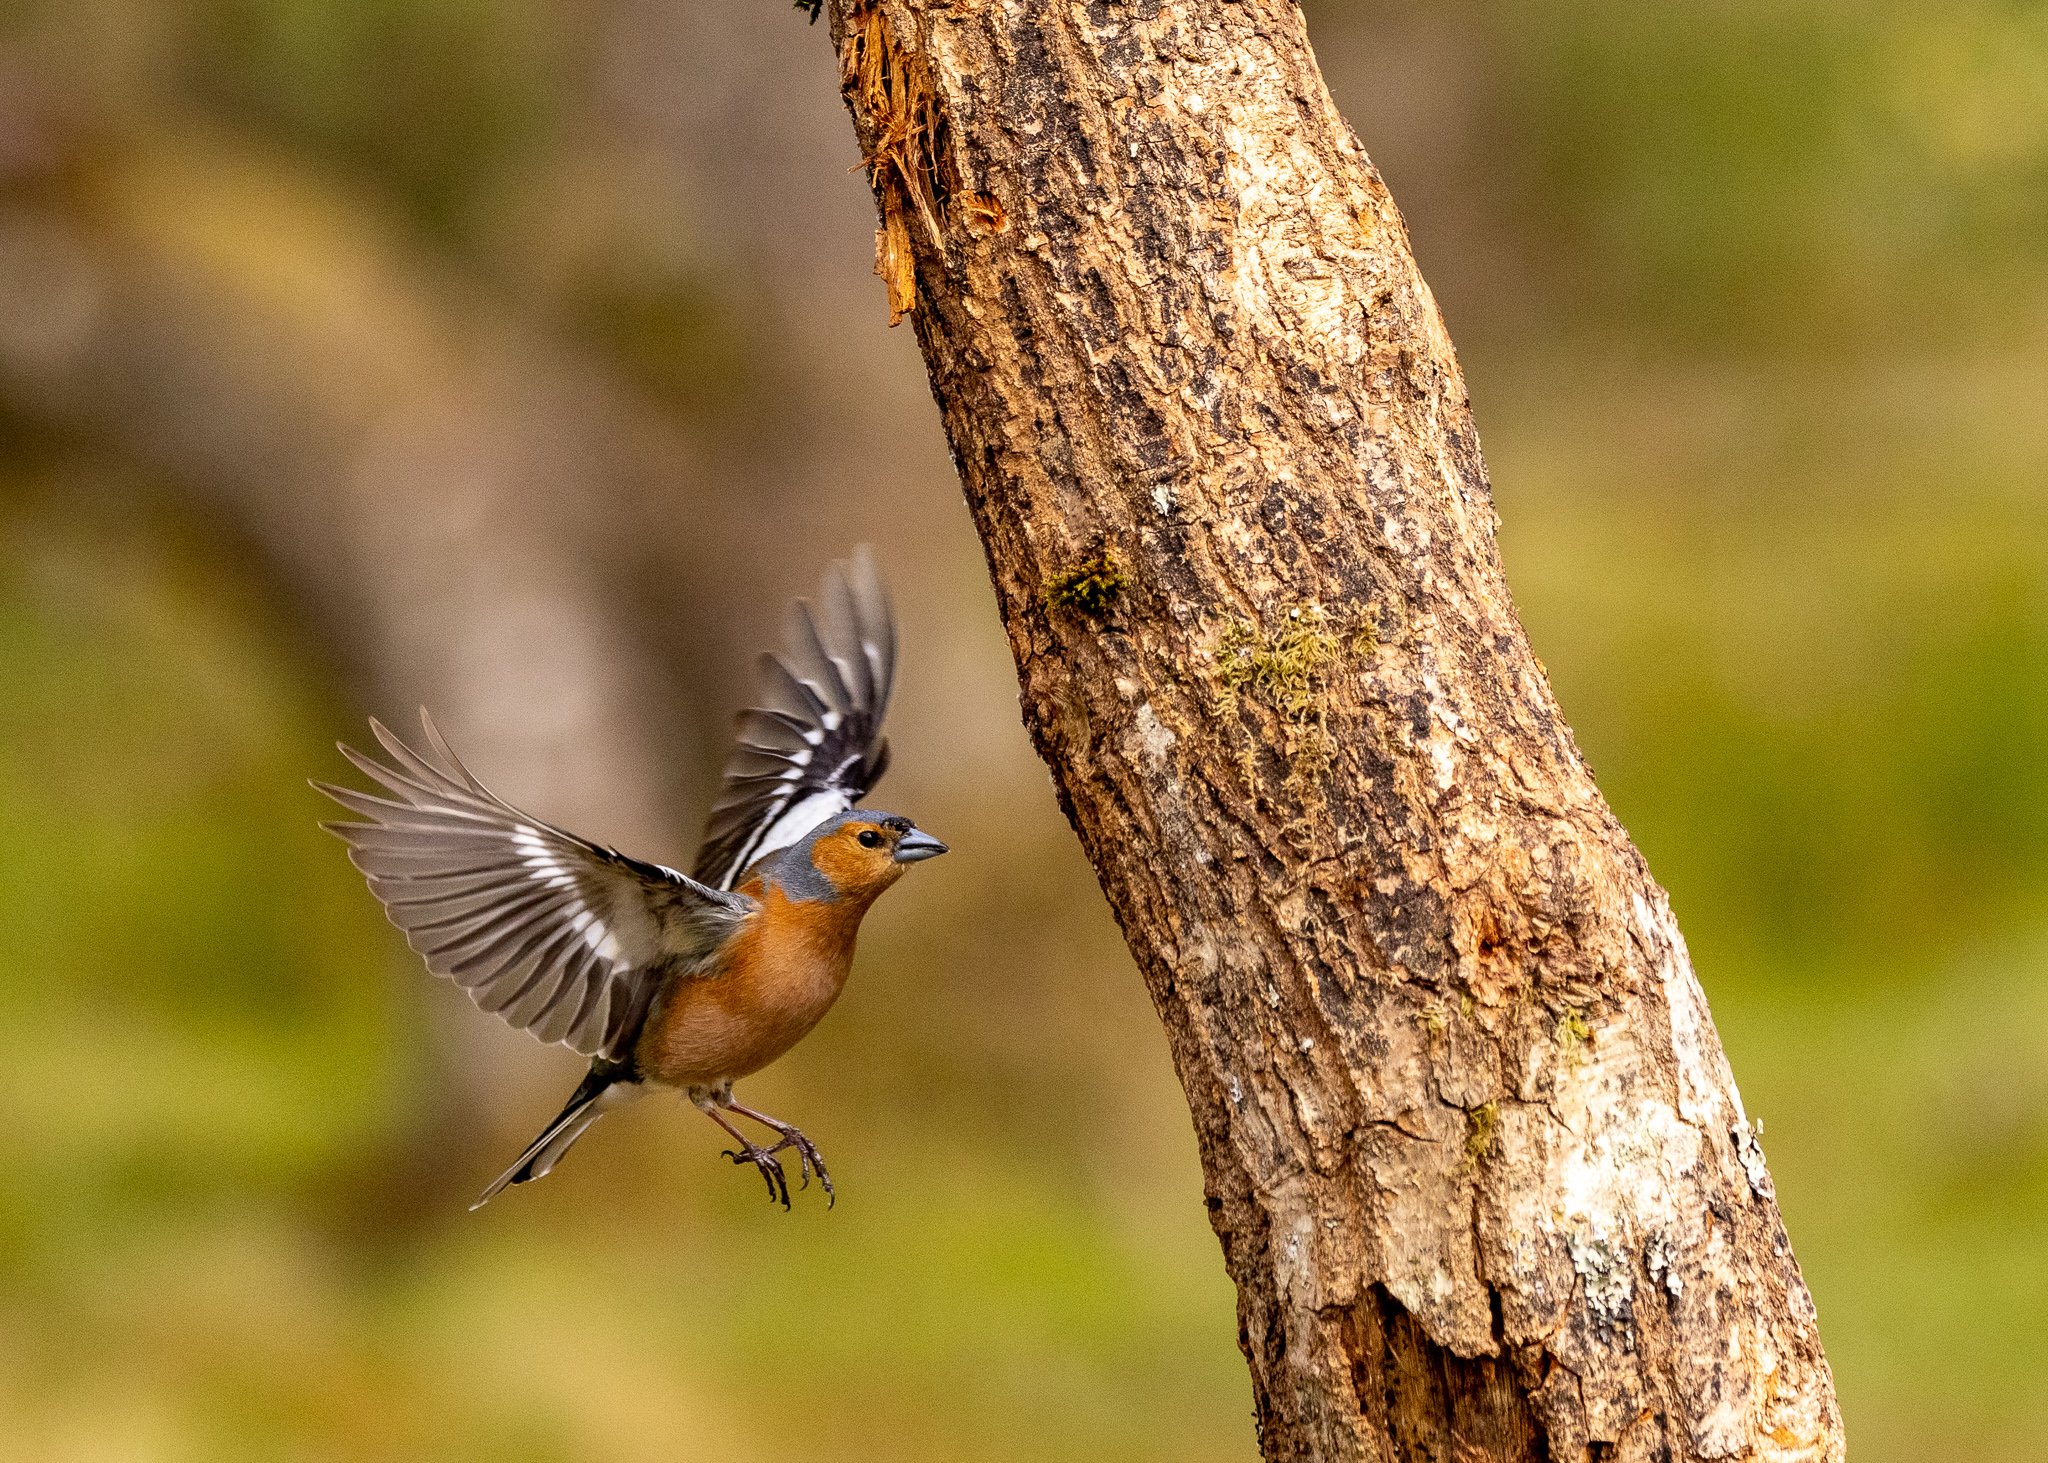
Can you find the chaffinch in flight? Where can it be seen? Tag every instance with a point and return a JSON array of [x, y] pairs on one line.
[[664, 979]]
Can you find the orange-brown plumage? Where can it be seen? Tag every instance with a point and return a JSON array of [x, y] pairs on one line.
[[776, 978]]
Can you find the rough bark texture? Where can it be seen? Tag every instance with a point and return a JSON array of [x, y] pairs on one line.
[[1473, 1150]]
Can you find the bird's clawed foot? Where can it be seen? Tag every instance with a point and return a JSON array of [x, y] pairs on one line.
[[716, 1102], [808, 1161], [770, 1168]]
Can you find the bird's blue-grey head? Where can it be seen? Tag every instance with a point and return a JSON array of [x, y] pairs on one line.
[[857, 853]]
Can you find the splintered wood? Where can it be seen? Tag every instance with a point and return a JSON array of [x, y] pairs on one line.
[[907, 158]]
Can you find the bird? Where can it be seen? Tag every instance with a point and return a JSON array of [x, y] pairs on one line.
[[665, 980]]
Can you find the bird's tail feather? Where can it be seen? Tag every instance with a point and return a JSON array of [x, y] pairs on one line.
[[598, 1092]]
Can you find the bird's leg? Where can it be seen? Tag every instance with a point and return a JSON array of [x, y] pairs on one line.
[[749, 1151], [808, 1158]]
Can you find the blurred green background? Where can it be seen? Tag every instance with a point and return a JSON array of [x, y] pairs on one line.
[[523, 359]]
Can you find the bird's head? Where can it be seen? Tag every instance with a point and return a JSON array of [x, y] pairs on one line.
[[861, 853]]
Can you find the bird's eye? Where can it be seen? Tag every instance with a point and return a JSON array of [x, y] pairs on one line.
[[870, 839]]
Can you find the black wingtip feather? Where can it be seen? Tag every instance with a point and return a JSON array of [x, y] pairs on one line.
[[817, 730]]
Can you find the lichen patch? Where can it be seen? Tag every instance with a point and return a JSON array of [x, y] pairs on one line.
[[1480, 1125], [1603, 1269], [1286, 671], [1155, 739], [1090, 588], [1286, 667]]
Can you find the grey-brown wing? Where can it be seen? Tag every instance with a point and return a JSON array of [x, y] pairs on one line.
[[815, 747], [554, 934]]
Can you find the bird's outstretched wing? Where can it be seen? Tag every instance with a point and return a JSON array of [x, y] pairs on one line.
[[815, 745], [554, 934]]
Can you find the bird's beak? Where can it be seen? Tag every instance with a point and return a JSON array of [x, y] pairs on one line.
[[917, 844]]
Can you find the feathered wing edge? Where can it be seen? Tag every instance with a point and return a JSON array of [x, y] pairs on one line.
[[815, 747], [546, 930]]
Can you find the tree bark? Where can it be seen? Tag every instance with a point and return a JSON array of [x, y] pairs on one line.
[[1471, 1145]]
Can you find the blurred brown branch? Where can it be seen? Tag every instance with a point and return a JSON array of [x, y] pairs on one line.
[[1475, 1156], [462, 508], [453, 497]]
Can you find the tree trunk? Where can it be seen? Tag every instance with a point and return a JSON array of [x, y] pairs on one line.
[[1476, 1158]]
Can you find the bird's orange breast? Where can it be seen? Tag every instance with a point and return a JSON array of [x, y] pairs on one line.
[[773, 982]]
